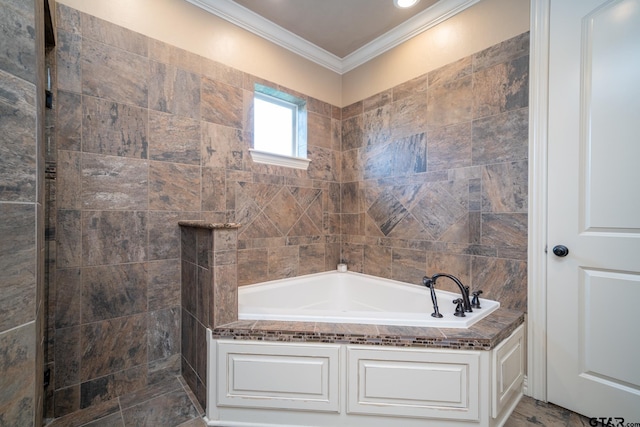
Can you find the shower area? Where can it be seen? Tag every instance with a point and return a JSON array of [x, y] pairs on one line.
[[429, 175]]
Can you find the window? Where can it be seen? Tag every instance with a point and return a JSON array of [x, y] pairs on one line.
[[275, 125], [279, 128]]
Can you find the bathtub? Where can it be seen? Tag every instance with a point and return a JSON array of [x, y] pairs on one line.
[[314, 370], [337, 297]]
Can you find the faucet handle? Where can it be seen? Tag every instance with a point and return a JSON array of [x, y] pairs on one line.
[[475, 302], [459, 307], [427, 281]]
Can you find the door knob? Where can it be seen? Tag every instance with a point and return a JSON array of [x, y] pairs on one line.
[[560, 250]]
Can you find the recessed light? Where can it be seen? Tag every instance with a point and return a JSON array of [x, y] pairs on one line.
[[405, 3]]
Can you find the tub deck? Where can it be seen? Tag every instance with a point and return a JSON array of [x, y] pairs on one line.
[[484, 335], [349, 297]]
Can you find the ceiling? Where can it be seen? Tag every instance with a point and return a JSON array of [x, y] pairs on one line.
[[337, 34], [338, 26]]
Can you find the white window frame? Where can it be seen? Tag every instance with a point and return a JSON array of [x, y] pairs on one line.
[[298, 159]]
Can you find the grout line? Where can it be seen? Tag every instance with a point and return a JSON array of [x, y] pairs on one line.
[[121, 411]]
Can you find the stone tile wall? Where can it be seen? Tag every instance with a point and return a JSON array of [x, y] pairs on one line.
[[147, 135], [21, 212], [209, 295], [428, 176], [434, 176]]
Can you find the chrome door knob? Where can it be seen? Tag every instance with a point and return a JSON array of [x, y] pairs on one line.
[[560, 250]]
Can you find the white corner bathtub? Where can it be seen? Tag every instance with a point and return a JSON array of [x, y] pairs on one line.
[[337, 297], [256, 382]]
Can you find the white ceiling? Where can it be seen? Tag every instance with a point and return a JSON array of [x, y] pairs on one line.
[[337, 34]]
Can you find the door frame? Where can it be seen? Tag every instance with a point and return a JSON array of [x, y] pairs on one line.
[[536, 384]]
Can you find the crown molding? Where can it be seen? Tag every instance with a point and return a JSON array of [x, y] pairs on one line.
[[256, 24], [252, 22], [430, 17]]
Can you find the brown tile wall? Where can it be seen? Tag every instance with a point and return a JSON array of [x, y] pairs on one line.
[[22, 308], [146, 135], [434, 176], [428, 176]]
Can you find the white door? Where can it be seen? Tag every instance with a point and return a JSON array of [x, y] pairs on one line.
[[593, 306]]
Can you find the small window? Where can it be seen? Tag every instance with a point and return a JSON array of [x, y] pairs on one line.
[[279, 128]]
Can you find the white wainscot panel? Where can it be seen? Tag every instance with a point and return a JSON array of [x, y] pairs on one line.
[[261, 375], [414, 383], [508, 371]]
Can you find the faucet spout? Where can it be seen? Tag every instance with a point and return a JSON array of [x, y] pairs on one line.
[[464, 291]]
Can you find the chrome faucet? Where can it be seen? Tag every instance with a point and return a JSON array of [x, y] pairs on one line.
[[430, 282]]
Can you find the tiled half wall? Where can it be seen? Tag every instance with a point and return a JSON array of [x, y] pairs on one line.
[[208, 256]]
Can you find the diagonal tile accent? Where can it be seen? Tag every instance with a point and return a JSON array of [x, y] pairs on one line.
[[508, 229], [387, 212], [246, 210], [410, 228], [437, 210], [408, 195], [304, 227], [261, 194], [260, 228], [284, 211], [304, 196], [316, 213]]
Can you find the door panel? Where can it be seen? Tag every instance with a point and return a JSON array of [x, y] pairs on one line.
[[600, 348], [594, 207], [611, 111]]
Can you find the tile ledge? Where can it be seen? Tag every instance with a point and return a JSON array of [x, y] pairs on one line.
[[209, 225], [485, 335]]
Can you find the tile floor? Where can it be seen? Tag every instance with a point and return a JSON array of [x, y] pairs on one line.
[[167, 404], [531, 412], [172, 404]]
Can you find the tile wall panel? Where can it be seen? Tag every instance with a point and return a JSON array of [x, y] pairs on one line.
[[112, 291], [18, 56], [22, 219], [17, 255], [174, 138], [113, 128], [68, 123], [17, 148], [429, 172], [146, 135], [102, 136], [68, 51], [114, 183], [17, 383], [112, 345], [124, 80], [434, 175], [174, 90], [68, 292]]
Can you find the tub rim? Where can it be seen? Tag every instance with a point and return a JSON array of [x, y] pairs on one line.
[[415, 319]]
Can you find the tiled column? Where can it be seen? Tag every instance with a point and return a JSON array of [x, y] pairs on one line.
[[209, 292]]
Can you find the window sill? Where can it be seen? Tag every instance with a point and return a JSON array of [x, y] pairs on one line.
[[279, 159]]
